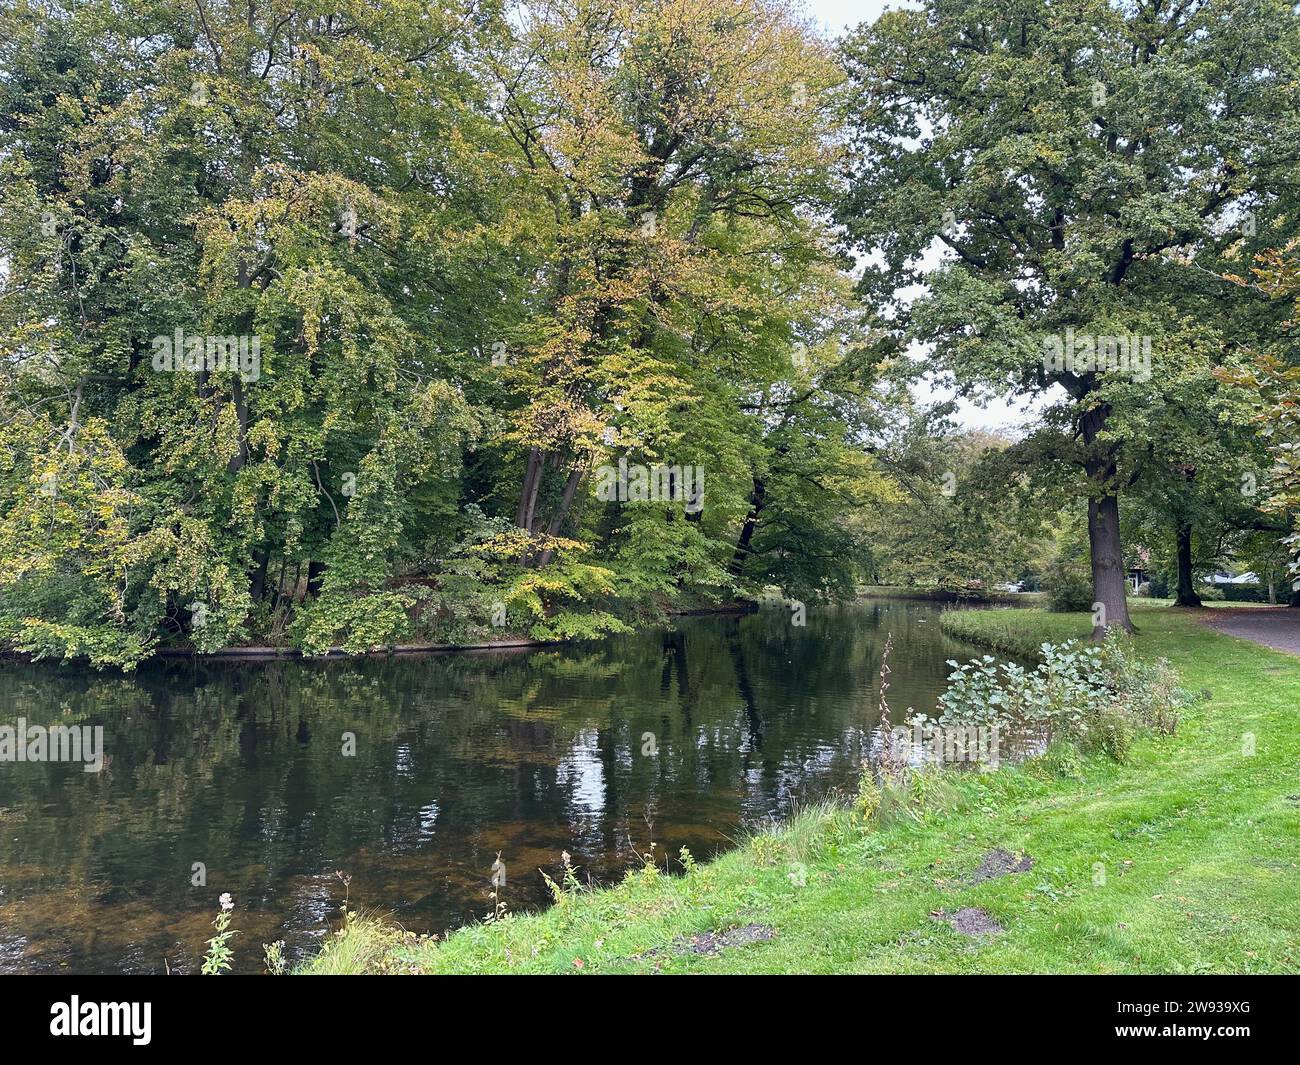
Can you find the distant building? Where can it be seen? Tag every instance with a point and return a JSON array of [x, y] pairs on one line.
[[1137, 570]]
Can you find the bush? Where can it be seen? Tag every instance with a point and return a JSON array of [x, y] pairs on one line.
[[866, 803], [1068, 585], [1067, 685], [1159, 586], [1243, 593], [1097, 698], [1111, 730], [1150, 690], [1061, 760]]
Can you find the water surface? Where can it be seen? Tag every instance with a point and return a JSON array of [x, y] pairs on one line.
[[681, 738]]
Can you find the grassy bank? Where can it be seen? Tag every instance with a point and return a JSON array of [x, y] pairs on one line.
[[1182, 860], [939, 595]]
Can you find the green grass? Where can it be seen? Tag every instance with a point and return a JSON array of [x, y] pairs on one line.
[[1016, 632], [886, 591], [1197, 840]]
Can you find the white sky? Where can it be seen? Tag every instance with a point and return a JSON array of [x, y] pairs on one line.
[[835, 16]]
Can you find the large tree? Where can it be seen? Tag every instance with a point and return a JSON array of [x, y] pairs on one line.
[[295, 177], [478, 251], [688, 304], [1089, 169], [1275, 381]]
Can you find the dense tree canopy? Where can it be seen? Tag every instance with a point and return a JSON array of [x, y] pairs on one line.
[[1091, 170], [320, 322], [352, 324]]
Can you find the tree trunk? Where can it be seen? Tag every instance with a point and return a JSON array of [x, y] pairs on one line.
[[257, 575], [757, 501], [1108, 585], [561, 511], [566, 501], [527, 508], [315, 576], [1109, 589], [1186, 585]]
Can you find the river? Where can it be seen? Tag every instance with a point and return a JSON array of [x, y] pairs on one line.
[[409, 775]]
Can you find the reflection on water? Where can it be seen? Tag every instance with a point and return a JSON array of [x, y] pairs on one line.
[[241, 767]]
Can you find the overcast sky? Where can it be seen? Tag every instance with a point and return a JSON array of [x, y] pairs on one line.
[[834, 15]]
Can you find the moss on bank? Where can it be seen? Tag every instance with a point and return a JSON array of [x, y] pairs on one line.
[[1184, 859]]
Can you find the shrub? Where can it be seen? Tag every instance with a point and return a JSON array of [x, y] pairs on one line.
[[1111, 731], [1096, 698], [1068, 585], [1150, 690], [1061, 759], [1244, 593], [867, 801]]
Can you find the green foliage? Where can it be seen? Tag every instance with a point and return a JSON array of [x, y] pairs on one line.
[[1061, 760], [219, 956], [1084, 170], [1068, 585], [965, 517], [1274, 385], [1097, 697], [362, 622], [482, 252], [431, 227], [866, 803]]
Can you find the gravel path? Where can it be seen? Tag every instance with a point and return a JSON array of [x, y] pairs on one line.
[[1279, 629]]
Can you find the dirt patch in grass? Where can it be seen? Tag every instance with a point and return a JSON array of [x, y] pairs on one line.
[[999, 862], [970, 921], [713, 943], [716, 942]]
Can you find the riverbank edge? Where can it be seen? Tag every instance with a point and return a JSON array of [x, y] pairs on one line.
[[822, 893], [739, 608], [971, 597], [259, 652]]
